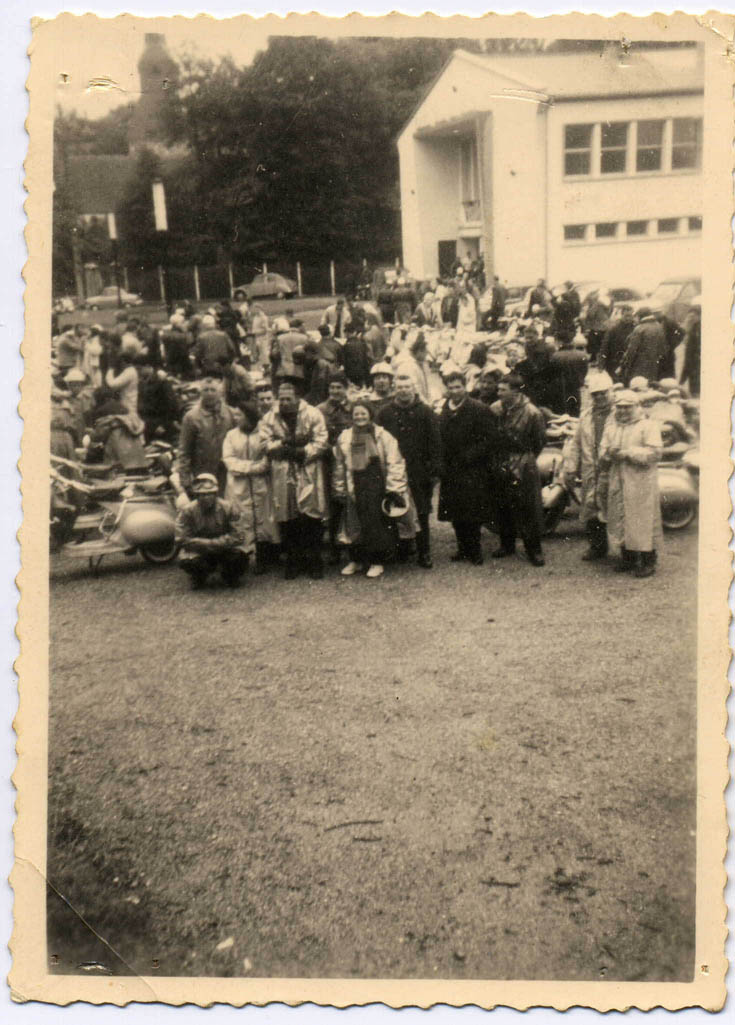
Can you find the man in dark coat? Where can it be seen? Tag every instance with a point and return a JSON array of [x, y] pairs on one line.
[[690, 370], [647, 350], [673, 335], [571, 364], [415, 427], [542, 378], [497, 303], [539, 296], [516, 483], [214, 347], [566, 311], [466, 428], [356, 355], [615, 343]]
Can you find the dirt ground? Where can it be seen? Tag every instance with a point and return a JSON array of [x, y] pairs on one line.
[[466, 773]]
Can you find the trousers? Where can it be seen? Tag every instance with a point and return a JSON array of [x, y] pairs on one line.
[[302, 541], [231, 564], [467, 533]]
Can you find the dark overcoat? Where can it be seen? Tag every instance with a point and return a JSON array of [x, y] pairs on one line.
[[466, 440], [416, 429]]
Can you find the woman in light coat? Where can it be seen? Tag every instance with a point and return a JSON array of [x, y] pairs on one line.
[[369, 469], [630, 450], [248, 484]]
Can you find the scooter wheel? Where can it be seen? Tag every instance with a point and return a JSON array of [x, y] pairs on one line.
[[677, 519], [159, 553]]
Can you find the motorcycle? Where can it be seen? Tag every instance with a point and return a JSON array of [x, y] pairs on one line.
[[126, 514], [678, 479]]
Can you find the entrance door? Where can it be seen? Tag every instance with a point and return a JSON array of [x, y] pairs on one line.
[[447, 256]]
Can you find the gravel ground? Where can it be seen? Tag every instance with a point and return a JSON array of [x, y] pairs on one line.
[[469, 773]]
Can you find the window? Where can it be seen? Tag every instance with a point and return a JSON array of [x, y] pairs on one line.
[[695, 223], [607, 230], [667, 225], [614, 147], [577, 149], [574, 232], [686, 143], [650, 145], [637, 227]]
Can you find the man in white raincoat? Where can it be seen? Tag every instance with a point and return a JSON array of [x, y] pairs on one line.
[[295, 439], [582, 457], [628, 485]]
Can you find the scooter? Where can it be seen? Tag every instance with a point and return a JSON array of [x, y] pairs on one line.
[[141, 522]]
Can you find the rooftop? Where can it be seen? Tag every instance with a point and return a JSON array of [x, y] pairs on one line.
[[569, 76]]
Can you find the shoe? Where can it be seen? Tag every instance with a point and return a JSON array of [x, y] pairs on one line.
[[350, 569], [458, 557], [259, 569], [291, 572], [623, 566], [424, 561], [593, 556], [316, 573], [198, 583], [374, 571], [477, 560], [644, 571], [231, 582], [537, 559], [334, 558], [503, 553]]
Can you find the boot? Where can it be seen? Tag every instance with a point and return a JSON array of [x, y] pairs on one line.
[[644, 564], [627, 561], [261, 560]]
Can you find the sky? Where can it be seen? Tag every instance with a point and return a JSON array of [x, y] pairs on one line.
[[117, 46]]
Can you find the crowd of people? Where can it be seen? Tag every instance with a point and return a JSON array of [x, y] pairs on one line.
[[294, 445]]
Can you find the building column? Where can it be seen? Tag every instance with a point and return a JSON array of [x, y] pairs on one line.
[[484, 136]]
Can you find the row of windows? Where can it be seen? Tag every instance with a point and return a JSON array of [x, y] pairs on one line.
[[632, 229], [628, 147]]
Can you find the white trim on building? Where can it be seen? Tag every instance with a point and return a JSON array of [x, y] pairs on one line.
[[558, 166]]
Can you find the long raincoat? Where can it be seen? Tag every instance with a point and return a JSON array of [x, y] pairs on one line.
[[393, 467], [628, 485], [248, 484], [582, 455], [311, 497]]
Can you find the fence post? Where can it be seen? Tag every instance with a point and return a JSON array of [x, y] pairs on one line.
[[298, 277], [125, 279], [230, 278], [331, 277], [160, 284], [197, 290]]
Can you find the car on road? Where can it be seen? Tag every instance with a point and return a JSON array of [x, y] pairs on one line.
[[108, 298], [672, 297], [264, 285]]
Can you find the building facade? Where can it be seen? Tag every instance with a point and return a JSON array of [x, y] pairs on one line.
[[558, 166]]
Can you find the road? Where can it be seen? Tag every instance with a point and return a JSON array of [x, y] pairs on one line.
[[310, 308], [468, 773]]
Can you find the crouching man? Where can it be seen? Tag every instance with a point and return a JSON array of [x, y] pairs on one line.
[[211, 536]]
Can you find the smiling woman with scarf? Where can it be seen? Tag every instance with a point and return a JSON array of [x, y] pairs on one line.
[[369, 469], [628, 486]]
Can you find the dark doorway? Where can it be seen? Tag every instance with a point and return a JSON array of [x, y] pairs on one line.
[[447, 256]]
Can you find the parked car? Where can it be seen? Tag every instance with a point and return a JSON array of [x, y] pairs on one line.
[[672, 297], [515, 298], [264, 285], [108, 298], [64, 304]]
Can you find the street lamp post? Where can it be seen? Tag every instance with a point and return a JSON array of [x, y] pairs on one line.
[[112, 232], [160, 218]]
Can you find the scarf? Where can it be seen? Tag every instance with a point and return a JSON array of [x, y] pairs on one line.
[[364, 447]]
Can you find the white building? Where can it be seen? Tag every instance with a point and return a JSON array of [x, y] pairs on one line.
[[581, 166]]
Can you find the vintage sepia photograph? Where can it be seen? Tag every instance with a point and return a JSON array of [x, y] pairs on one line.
[[372, 375]]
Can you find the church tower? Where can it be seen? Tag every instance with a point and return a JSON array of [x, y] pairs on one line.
[[158, 80]]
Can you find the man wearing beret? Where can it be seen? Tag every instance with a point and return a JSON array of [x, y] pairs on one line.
[[211, 536]]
